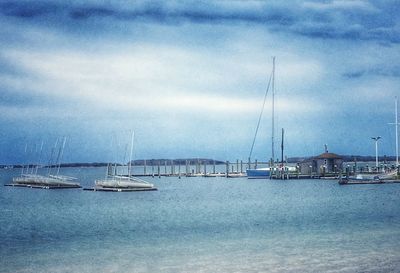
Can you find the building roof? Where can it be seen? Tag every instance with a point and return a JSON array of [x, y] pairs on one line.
[[322, 156], [328, 156]]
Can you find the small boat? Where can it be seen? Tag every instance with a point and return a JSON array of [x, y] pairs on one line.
[[45, 182], [266, 172], [120, 183], [258, 173], [49, 181], [123, 182]]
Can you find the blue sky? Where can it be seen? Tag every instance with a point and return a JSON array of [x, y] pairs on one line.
[[189, 77]]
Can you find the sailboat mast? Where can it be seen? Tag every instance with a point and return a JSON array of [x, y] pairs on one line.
[[283, 135], [53, 150], [130, 155], [23, 166], [273, 111], [40, 157], [397, 133], [60, 154]]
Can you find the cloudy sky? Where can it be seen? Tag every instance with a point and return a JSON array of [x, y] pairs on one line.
[[189, 77]]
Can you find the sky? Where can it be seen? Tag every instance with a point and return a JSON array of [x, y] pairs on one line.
[[189, 78]]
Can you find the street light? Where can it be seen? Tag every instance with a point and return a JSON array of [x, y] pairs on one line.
[[376, 150]]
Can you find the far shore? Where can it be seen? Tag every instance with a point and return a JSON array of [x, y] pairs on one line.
[[155, 162]]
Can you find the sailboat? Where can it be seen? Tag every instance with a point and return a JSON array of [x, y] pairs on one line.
[[266, 172], [50, 181], [115, 182]]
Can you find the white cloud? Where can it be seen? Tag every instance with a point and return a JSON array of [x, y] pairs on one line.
[[150, 78]]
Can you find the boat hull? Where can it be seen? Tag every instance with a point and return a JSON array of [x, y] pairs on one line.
[[113, 183], [43, 181], [258, 173]]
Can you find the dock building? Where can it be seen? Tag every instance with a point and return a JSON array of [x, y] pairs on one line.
[[321, 164]]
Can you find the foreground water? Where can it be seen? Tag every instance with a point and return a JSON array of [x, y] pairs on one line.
[[201, 225]]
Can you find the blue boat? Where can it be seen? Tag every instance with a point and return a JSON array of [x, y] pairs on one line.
[[258, 173]]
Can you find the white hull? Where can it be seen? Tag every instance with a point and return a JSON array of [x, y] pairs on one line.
[[117, 183], [42, 180]]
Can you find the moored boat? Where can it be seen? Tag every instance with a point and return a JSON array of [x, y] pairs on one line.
[[119, 183]]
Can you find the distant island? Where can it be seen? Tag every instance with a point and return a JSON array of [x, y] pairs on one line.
[[192, 161]]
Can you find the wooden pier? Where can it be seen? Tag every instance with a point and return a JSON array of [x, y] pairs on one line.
[[199, 168]]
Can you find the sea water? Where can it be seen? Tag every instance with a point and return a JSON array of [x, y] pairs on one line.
[[201, 224]]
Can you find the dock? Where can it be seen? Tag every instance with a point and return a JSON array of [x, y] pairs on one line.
[[47, 187]]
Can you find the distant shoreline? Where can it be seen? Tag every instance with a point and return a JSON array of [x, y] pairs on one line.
[[168, 162]]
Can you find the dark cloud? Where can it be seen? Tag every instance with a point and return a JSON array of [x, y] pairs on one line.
[[313, 21], [84, 13], [383, 71], [29, 9]]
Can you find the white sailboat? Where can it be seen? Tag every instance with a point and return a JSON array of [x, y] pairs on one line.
[[49, 181], [266, 172], [115, 182]]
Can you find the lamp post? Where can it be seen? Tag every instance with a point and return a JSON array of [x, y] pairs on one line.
[[376, 149]]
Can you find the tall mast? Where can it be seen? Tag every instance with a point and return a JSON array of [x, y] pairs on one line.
[[40, 157], [60, 154], [53, 150], [130, 155], [273, 111], [397, 133], [396, 123], [23, 166], [283, 135]]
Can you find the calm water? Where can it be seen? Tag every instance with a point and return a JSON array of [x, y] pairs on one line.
[[201, 225]]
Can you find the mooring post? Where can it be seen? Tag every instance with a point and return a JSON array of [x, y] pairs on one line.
[[205, 168], [172, 168], [241, 166], [255, 164], [249, 164], [227, 169]]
